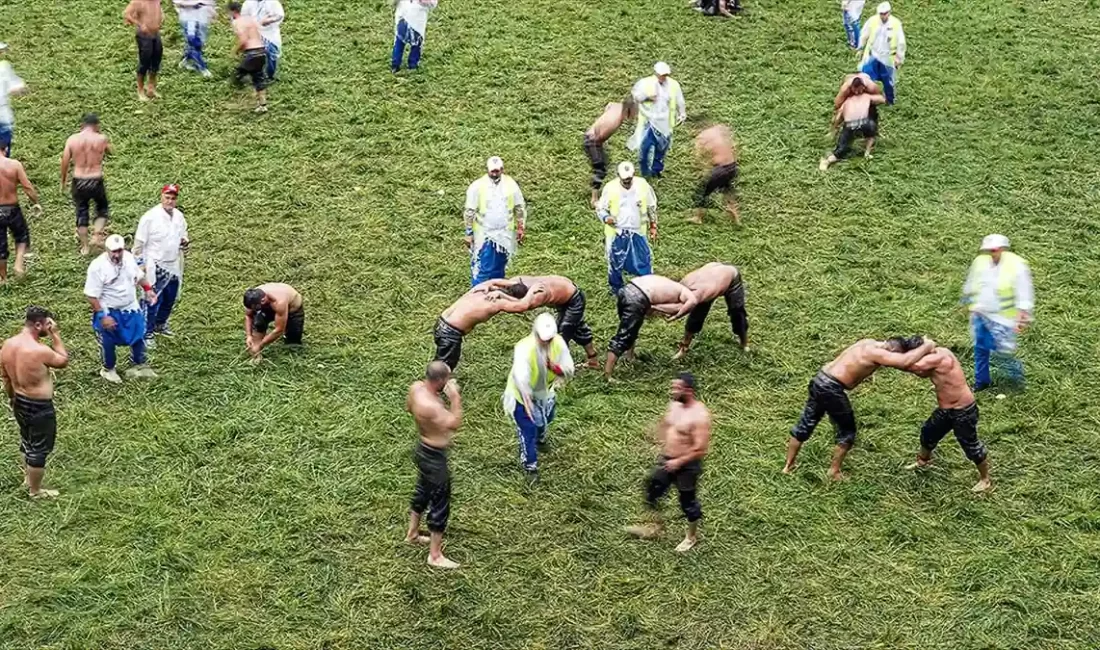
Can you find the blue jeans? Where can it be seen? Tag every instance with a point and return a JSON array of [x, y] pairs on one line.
[[533, 432], [851, 28], [489, 263], [1000, 341], [879, 71], [651, 156], [273, 54], [406, 35], [167, 289], [194, 38], [5, 138], [629, 252]]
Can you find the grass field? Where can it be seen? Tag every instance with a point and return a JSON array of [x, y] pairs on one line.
[[226, 506]]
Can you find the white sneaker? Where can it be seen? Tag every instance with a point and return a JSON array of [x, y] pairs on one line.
[[110, 375], [141, 372], [150, 343], [206, 73]]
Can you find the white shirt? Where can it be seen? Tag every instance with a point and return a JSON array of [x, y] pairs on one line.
[[415, 13], [494, 223], [537, 387], [114, 286], [656, 112], [160, 235], [630, 206], [188, 14], [880, 47], [9, 83], [987, 302], [853, 8], [263, 10]]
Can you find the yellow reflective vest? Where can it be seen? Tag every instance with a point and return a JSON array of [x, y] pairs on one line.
[[1008, 271], [529, 347], [872, 27]]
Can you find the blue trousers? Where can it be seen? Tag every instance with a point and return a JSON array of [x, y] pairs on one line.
[[406, 35], [998, 341], [273, 54], [851, 28], [5, 138], [488, 263], [129, 330], [651, 155], [194, 38], [167, 289], [629, 252], [532, 432], [879, 71]]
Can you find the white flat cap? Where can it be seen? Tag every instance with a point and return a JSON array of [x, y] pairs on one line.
[[884, 8], [494, 164], [994, 242], [661, 68], [626, 170]]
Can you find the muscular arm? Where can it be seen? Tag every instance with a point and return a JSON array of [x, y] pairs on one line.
[[842, 95], [66, 159], [32, 193], [536, 297], [282, 311], [898, 360], [927, 363], [444, 418], [492, 285], [8, 388], [57, 356], [248, 325], [688, 302], [131, 15]]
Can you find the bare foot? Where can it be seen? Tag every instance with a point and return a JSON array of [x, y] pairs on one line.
[[44, 494], [20, 271], [824, 164], [419, 539], [680, 352], [593, 363], [983, 485], [736, 214], [789, 469], [152, 93], [142, 97], [645, 531], [695, 219], [442, 562], [687, 544], [920, 463], [836, 476]]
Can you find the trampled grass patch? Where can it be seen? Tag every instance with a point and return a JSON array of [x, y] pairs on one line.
[[228, 506]]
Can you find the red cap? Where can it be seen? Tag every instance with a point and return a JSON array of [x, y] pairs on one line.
[[170, 188]]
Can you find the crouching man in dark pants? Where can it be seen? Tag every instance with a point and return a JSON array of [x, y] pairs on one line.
[[956, 410], [684, 434]]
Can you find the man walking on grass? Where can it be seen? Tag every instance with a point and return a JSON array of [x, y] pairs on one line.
[[12, 177], [613, 116], [495, 215], [540, 363], [999, 293], [684, 436], [828, 392], [437, 425], [883, 45], [160, 243], [195, 17], [117, 319], [253, 55], [625, 204], [410, 21], [270, 15], [84, 152], [662, 107], [147, 17], [10, 84], [715, 145], [26, 366]]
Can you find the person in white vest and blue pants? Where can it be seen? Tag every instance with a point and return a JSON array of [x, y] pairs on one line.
[[661, 107]]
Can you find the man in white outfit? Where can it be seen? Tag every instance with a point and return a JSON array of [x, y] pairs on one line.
[[661, 108], [160, 241], [410, 21]]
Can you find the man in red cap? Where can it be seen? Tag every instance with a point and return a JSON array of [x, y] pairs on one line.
[[159, 244]]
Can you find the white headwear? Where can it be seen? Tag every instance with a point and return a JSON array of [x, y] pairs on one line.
[[545, 328], [884, 8], [115, 243], [994, 242], [626, 170], [494, 164], [661, 68]]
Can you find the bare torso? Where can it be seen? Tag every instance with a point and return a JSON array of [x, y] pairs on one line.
[[87, 149], [557, 289], [248, 32], [9, 181], [843, 93], [473, 308], [853, 365], [716, 143], [680, 426], [710, 281], [659, 289], [148, 16], [22, 356], [422, 403], [857, 107], [607, 123], [952, 391], [282, 294]]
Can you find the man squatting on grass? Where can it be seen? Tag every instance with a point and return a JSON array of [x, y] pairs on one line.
[[858, 98], [272, 302], [684, 436], [476, 306], [84, 152], [828, 392], [559, 292], [707, 283], [613, 116], [956, 410], [253, 54], [25, 364], [437, 424]]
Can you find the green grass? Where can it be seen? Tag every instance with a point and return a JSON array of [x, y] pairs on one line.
[[226, 506]]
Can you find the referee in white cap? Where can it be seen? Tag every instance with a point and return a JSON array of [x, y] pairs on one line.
[[496, 221], [661, 108], [540, 363]]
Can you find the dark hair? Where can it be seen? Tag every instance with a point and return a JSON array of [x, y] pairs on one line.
[[90, 119], [253, 298], [36, 314], [857, 83], [234, 6], [688, 380], [437, 371], [516, 290], [903, 344]]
